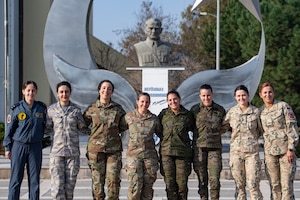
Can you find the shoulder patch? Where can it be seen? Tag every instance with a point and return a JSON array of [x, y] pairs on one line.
[[8, 119], [292, 116], [14, 106], [291, 113], [22, 116]]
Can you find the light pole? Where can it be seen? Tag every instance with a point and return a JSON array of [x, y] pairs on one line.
[[218, 37], [217, 28], [6, 60]]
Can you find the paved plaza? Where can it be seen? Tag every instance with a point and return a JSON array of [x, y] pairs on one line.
[[83, 187]]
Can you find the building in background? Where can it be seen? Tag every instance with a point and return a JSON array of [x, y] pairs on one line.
[[25, 28]]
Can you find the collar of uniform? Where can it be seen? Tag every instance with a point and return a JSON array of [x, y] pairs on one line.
[[213, 105], [182, 110], [151, 42], [144, 116], [102, 105]]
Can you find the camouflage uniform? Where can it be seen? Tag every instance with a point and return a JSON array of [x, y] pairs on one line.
[[141, 157], [207, 146], [245, 163], [176, 151], [65, 152], [280, 134], [104, 150]]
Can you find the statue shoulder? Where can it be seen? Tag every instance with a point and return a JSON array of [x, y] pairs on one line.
[[140, 45]]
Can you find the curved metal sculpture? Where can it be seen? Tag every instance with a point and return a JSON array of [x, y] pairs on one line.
[[224, 81], [67, 56]]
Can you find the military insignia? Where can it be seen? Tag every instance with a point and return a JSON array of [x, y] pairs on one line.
[[8, 119], [39, 115], [21, 116], [14, 106], [292, 116]]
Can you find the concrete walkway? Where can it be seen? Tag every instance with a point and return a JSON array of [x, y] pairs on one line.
[[83, 186]]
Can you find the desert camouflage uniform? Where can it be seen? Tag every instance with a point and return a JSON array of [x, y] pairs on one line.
[[65, 152], [104, 149], [280, 134], [141, 157], [207, 147], [176, 151], [245, 162]]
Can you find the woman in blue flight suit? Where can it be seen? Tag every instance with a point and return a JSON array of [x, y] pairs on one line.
[[23, 141]]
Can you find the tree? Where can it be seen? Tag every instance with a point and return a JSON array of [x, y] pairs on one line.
[[199, 34], [282, 64], [170, 34], [240, 38], [130, 36]]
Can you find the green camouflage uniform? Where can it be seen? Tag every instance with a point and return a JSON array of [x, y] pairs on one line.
[[280, 134], [176, 151], [104, 149], [207, 146], [245, 163], [141, 157]]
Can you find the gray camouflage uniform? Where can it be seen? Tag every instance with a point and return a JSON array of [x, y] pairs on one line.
[[141, 157], [280, 135], [245, 163], [104, 149], [65, 152], [176, 151], [207, 147]]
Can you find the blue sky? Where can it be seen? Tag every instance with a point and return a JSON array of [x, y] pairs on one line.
[[120, 14]]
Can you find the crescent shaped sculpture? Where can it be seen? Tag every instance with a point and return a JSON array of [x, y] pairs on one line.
[[67, 56], [223, 82], [63, 70]]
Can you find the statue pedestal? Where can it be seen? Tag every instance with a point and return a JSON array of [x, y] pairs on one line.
[[155, 82]]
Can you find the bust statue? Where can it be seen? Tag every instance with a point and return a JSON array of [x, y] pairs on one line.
[[153, 51]]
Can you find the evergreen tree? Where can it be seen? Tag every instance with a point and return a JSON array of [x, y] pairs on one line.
[[240, 36]]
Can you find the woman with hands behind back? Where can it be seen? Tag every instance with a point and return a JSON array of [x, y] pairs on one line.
[[141, 157], [176, 146]]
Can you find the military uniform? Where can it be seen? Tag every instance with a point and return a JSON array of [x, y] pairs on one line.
[[245, 162], [66, 122], [141, 157], [104, 150], [153, 53], [280, 135], [207, 146], [23, 138], [176, 151]]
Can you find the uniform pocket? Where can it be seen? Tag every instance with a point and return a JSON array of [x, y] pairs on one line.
[[151, 166]]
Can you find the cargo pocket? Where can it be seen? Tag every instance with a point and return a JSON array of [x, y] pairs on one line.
[[151, 166], [131, 170]]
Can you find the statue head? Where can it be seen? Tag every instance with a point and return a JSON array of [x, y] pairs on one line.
[[153, 28]]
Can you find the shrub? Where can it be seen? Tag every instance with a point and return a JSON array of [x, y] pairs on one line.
[[1, 131]]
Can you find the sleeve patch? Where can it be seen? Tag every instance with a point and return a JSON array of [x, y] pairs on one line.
[[292, 116], [8, 119], [21, 116]]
